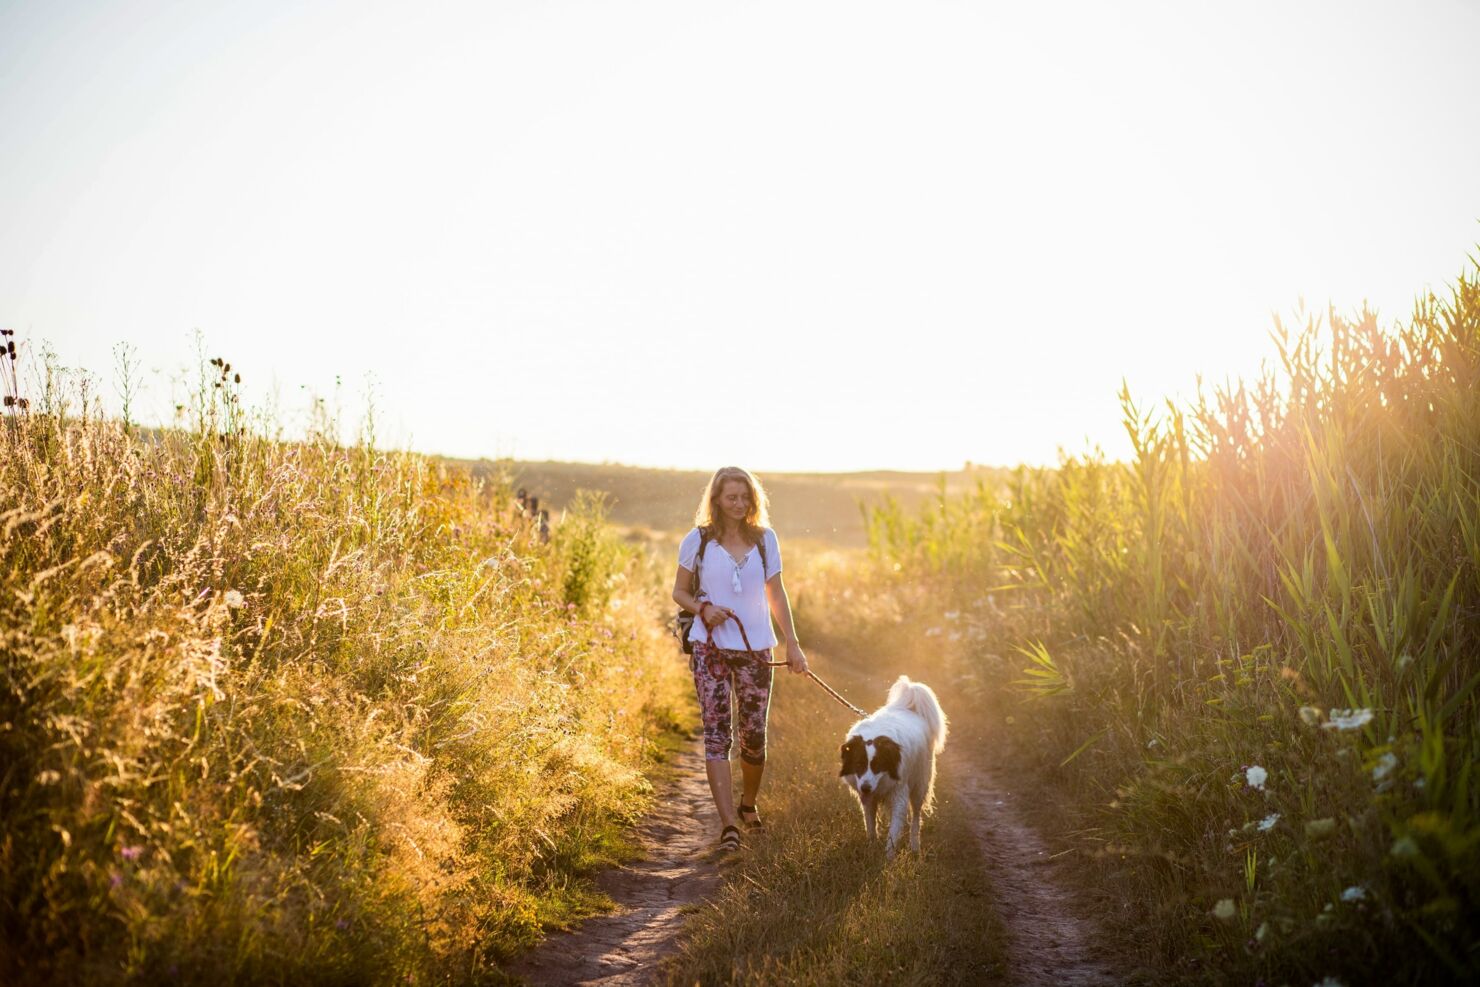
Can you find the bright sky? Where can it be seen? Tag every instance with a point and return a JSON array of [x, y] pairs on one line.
[[794, 235]]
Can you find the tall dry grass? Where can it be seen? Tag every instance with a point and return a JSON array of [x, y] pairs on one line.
[[1254, 651], [299, 711]]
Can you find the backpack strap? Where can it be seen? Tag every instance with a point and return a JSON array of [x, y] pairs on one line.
[[698, 563]]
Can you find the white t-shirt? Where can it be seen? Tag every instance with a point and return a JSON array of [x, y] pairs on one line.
[[718, 582]]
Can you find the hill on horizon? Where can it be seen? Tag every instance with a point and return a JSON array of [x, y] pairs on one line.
[[824, 507]]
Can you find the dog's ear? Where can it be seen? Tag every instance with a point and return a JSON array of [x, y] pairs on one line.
[[886, 757], [854, 757]]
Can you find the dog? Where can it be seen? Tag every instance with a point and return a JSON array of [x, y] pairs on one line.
[[889, 760]]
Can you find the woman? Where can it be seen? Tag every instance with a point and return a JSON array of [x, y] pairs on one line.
[[738, 560]]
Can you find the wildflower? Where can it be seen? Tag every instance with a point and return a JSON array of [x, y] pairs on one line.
[[115, 880], [341, 924], [952, 614], [1261, 932], [1256, 777], [1224, 910], [1328, 982], [1384, 766], [1319, 828], [234, 599], [131, 852], [1310, 716], [1349, 719], [932, 632], [1354, 893], [1267, 823]]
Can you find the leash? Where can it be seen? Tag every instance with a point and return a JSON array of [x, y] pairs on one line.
[[777, 664]]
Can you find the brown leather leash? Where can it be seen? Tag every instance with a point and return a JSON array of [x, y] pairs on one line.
[[774, 664]]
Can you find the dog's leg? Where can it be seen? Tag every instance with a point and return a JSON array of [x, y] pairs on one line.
[[899, 809], [917, 807], [870, 811]]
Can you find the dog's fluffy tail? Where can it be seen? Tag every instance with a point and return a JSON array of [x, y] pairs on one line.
[[919, 697]]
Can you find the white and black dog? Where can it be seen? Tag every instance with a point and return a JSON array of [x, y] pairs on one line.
[[889, 759]]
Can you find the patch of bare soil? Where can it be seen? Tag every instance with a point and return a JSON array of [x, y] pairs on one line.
[[676, 869], [1048, 942]]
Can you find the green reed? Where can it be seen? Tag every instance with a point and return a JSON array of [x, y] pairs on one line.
[[1304, 543]]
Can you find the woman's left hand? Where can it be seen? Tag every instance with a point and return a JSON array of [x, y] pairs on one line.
[[795, 660]]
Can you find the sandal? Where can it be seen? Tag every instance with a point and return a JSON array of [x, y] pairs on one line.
[[753, 823], [729, 839]]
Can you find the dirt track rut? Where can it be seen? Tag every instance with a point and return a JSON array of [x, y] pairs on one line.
[[625, 947], [1048, 944]]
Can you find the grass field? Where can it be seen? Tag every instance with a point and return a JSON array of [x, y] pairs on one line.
[[301, 712], [310, 711]]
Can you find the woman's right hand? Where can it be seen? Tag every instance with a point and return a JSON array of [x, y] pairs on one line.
[[714, 615]]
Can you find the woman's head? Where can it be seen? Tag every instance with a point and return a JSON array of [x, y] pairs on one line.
[[736, 497]]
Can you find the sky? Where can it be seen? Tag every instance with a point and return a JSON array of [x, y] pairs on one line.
[[792, 236]]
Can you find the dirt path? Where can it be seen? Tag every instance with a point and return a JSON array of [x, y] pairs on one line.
[[1047, 943], [624, 948]]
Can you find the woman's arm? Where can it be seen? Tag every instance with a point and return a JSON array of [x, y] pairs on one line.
[[713, 615], [781, 610]]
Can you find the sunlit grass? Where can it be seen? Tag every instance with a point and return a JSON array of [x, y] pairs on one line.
[[300, 711]]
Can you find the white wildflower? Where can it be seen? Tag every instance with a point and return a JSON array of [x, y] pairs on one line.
[[234, 599], [1261, 932], [1349, 719], [1309, 715], [932, 632], [1267, 823], [953, 614], [1328, 982], [1256, 777], [1354, 893], [1225, 909], [1384, 766]]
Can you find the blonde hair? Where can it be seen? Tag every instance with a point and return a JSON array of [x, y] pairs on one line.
[[757, 519]]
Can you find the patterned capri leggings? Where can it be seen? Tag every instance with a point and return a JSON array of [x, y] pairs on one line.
[[715, 669]]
